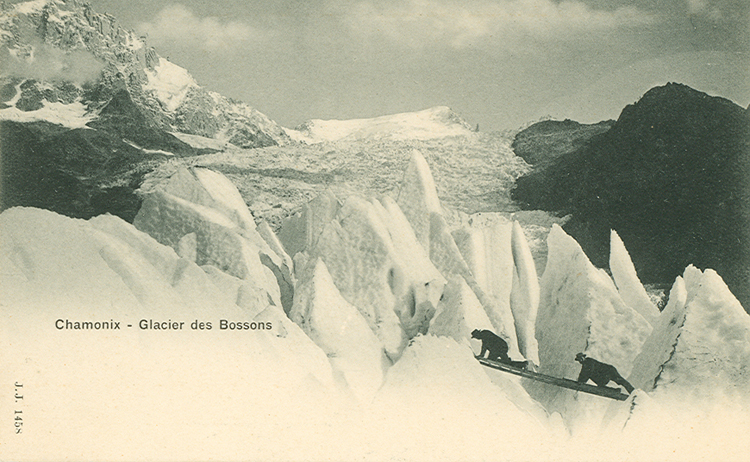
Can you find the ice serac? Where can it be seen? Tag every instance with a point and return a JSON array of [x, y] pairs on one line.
[[418, 197], [205, 203], [660, 345], [378, 266], [283, 270], [359, 254], [626, 279], [699, 353], [580, 311], [447, 257], [470, 243], [225, 197], [341, 332], [524, 300], [490, 253], [168, 219], [425, 283], [486, 248], [301, 229], [458, 313]]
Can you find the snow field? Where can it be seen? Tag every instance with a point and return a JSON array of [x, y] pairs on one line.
[[437, 122], [73, 115]]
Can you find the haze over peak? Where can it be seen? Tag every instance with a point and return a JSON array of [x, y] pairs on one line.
[[435, 122]]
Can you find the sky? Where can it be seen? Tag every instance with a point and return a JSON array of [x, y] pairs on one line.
[[497, 63]]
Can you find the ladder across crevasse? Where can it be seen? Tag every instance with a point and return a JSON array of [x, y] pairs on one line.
[[606, 392]]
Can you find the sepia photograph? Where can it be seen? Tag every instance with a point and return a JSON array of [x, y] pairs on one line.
[[375, 230]]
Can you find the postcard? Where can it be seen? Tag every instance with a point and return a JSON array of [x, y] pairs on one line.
[[420, 230]]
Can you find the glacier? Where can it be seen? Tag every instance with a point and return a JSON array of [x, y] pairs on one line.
[[365, 350]]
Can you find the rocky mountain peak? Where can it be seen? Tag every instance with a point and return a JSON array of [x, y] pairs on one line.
[[55, 42], [671, 176], [676, 103]]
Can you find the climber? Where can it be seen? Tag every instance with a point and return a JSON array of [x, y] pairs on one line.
[[494, 345], [600, 373], [497, 348]]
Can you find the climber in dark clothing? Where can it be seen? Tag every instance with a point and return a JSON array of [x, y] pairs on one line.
[[600, 373], [494, 345], [497, 348]]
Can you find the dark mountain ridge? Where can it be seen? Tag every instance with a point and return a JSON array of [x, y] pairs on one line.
[[547, 140], [79, 173], [672, 177]]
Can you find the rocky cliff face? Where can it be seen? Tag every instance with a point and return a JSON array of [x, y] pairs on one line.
[[75, 172], [672, 177]]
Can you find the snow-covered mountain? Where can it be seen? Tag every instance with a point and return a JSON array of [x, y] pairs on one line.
[[87, 108], [436, 122], [61, 56]]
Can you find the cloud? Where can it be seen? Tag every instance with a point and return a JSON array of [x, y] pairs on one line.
[[419, 23], [177, 23], [46, 63]]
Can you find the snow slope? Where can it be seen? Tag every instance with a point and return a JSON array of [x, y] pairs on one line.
[[435, 371], [169, 83], [144, 392]]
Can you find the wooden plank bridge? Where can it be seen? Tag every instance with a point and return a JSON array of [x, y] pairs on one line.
[[606, 392]]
